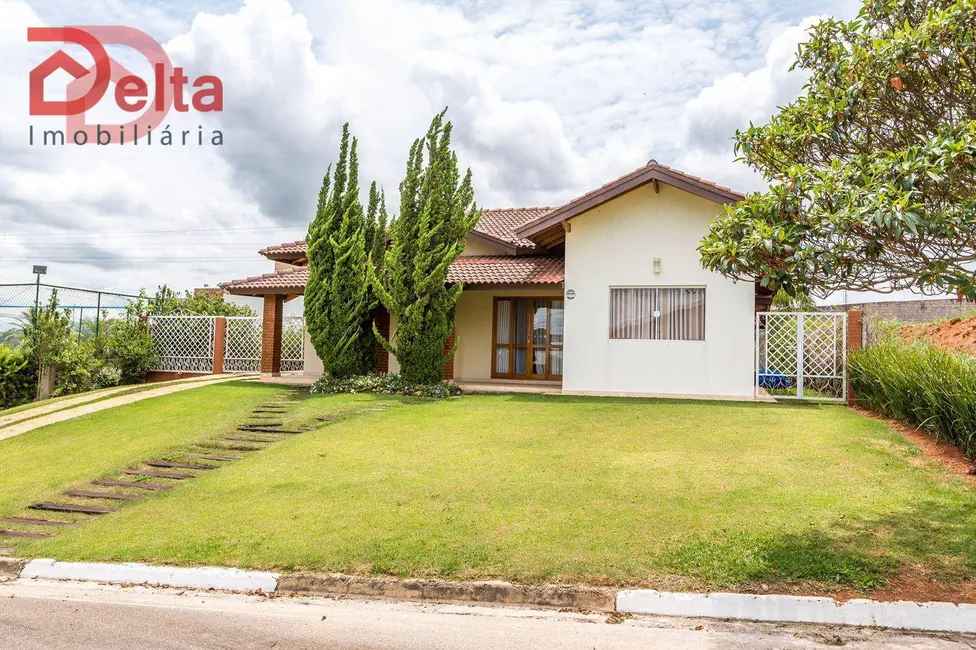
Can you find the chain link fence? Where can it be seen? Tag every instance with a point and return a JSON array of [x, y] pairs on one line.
[[90, 311]]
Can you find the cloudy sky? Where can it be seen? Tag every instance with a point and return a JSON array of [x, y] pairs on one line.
[[549, 99]]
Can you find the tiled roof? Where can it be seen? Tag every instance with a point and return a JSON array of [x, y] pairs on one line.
[[653, 170], [479, 269], [502, 223], [284, 281], [507, 269], [289, 249], [498, 224]]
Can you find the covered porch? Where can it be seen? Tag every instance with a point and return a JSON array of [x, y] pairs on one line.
[[508, 324]]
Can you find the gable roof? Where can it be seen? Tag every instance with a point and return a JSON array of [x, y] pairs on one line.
[[478, 269], [652, 172], [496, 226], [502, 224]]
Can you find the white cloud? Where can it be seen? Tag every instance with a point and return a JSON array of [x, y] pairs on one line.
[[548, 98]]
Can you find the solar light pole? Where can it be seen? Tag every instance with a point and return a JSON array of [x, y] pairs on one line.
[[38, 272]]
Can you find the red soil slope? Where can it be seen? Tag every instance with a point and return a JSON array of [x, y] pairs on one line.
[[954, 334]]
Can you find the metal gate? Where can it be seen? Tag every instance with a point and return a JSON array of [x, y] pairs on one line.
[[242, 344], [802, 355]]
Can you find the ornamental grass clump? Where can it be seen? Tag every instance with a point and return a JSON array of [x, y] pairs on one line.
[[921, 384]]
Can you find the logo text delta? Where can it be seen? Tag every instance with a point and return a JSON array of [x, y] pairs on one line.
[[151, 100]]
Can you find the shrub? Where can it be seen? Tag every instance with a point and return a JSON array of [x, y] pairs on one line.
[[385, 384], [130, 349], [79, 368], [920, 384], [18, 377]]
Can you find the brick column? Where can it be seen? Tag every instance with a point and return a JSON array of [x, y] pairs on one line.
[[855, 328], [449, 364], [855, 325], [382, 318], [220, 331], [274, 307]]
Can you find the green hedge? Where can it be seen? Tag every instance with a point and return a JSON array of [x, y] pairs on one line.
[[922, 385], [18, 378]]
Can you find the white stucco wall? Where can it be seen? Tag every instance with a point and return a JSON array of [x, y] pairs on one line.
[[614, 246]]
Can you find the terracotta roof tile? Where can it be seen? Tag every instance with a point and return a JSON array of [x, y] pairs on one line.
[[277, 282], [506, 269], [499, 224], [502, 223], [287, 249], [479, 269]]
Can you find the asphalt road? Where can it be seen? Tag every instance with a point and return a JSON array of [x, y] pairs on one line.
[[54, 615]]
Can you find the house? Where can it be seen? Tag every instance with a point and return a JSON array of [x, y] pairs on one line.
[[602, 295]]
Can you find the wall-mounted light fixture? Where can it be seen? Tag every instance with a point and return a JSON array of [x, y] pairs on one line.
[[657, 265]]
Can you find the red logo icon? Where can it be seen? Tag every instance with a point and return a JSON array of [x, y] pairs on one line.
[[132, 93]]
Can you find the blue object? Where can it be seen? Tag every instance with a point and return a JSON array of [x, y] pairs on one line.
[[770, 378]]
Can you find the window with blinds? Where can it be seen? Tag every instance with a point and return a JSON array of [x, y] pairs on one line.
[[657, 313]]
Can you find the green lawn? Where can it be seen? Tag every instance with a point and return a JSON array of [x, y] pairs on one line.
[[40, 464], [542, 488]]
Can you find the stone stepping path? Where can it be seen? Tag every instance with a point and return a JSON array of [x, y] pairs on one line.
[[155, 487], [268, 430], [30, 521], [71, 507], [92, 494], [265, 422], [176, 476], [175, 465]]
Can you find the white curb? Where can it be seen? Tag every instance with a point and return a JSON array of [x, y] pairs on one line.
[[933, 617], [131, 573]]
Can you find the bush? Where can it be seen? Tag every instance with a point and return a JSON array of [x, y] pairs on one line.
[[131, 350], [922, 385], [18, 377], [79, 368], [383, 385]]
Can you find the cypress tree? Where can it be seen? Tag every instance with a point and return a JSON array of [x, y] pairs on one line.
[[336, 298], [437, 211]]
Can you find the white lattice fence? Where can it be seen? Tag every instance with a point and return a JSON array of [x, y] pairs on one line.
[[293, 344], [802, 355], [242, 344], [185, 343]]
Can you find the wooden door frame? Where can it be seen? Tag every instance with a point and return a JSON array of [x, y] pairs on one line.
[[530, 346]]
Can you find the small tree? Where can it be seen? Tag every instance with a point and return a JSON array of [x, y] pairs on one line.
[[336, 296], [437, 211], [873, 168]]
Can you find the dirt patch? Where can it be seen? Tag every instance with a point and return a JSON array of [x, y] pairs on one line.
[[947, 455], [957, 334]]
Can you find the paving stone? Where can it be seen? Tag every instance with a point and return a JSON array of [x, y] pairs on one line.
[[253, 439], [133, 484], [38, 522], [70, 507], [267, 430], [95, 494], [175, 465], [179, 476]]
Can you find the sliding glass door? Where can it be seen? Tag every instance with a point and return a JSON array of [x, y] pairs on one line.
[[528, 338]]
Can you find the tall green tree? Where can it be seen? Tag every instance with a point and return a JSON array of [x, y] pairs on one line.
[[873, 168], [337, 299], [437, 211]]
